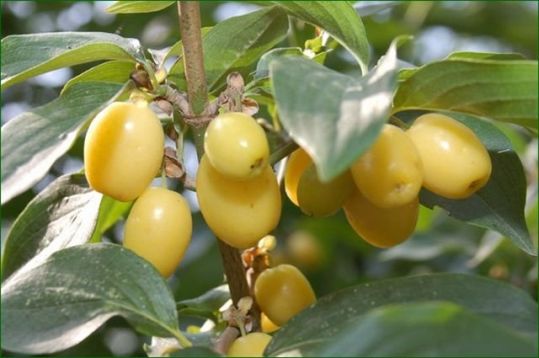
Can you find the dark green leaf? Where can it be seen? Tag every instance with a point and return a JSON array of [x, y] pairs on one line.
[[62, 215], [236, 43], [502, 90], [111, 71], [500, 204], [332, 116], [134, 7], [426, 330], [331, 316], [110, 211], [339, 19], [34, 140], [205, 305], [196, 352], [25, 56], [55, 305]]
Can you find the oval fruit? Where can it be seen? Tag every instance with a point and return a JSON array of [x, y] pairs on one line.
[[238, 212], [123, 150], [236, 146], [298, 161], [282, 292], [456, 163], [159, 228], [250, 345], [381, 227], [267, 325], [320, 199], [390, 173]]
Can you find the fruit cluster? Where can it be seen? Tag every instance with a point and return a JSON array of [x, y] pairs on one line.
[[379, 194], [123, 152], [240, 200]]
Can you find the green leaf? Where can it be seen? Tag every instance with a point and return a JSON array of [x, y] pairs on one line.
[[25, 56], [34, 140], [339, 19], [57, 304], [262, 67], [177, 49], [467, 55], [500, 204], [195, 352], [331, 316], [332, 116], [110, 72], [205, 305], [135, 7], [502, 90], [62, 215], [426, 330], [367, 8], [237, 43], [110, 211]]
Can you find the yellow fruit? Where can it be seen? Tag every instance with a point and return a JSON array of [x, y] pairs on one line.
[[250, 345], [236, 146], [298, 161], [319, 199], [267, 325], [390, 173], [305, 189], [381, 227], [456, 163], [282, 292], [238, 212], [159, 228], [123, 150]]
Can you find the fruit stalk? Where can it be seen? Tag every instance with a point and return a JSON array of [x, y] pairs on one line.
[[189, 14]]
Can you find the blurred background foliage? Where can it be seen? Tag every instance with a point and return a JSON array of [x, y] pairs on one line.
[[327, 250]]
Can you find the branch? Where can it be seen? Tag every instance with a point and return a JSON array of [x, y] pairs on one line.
[[197, 94]]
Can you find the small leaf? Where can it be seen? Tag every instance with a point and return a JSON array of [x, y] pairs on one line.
[[110, 211], [25, 56], [34, 140], [332, 116], [332, 315], [135, 7], [236, 43], [111, 72], [502, 90], [57, 304], [62, 215], [205, 305], [339, 19], [500, 204], [426, 330]]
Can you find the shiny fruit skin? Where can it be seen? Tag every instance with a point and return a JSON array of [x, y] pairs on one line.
[[381, 227], [123, 150], [159, 228], [321, 199], [390, 173], [267, 325], [282, 292], [236, 146], [250, 345], [238, 212], [456, 163], [298, 161]]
